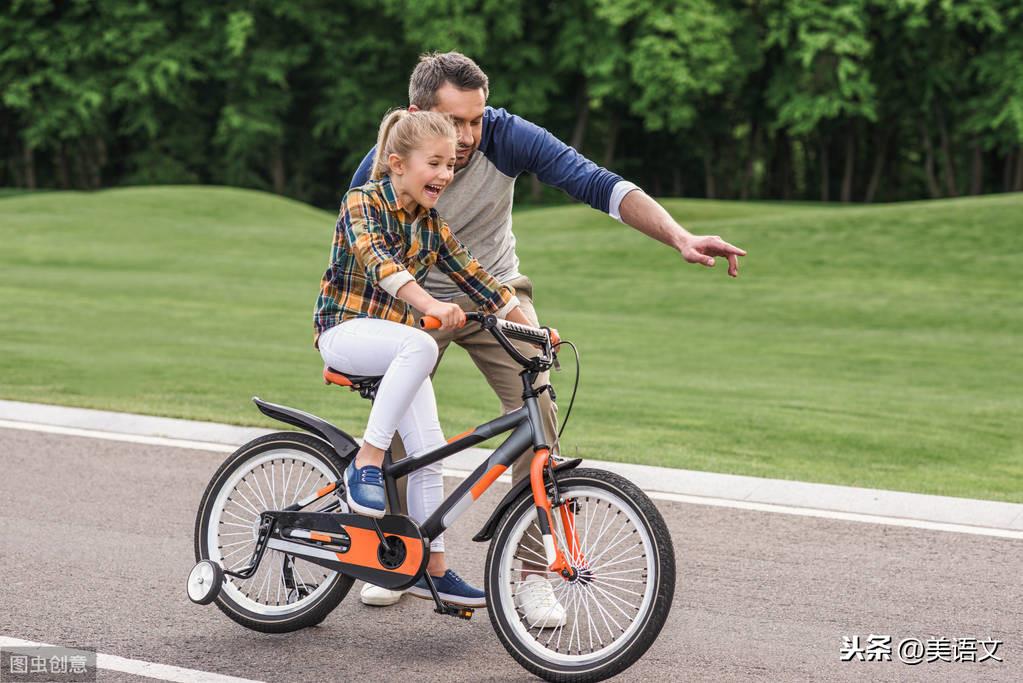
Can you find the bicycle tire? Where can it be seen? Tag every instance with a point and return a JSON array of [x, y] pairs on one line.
[[596, 488]]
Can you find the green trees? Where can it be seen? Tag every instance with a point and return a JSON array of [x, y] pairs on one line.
[[857, 100]]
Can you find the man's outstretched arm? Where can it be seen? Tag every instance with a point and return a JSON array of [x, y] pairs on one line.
[[516, 145], [640, 211]]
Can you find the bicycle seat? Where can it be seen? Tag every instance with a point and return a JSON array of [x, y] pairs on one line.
[[364, 384]]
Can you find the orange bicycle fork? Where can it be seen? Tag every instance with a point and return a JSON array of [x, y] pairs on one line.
[[556, 560]]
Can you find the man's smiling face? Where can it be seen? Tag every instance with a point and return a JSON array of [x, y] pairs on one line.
[[465, 107]]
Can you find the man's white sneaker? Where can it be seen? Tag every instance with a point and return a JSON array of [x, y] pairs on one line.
[[535, 599], [377, 596]]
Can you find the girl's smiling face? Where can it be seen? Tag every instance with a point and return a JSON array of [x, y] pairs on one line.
[[421, 177]]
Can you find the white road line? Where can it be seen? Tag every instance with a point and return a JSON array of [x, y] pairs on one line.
[[657, 495], [835, 514], [114, 436], [137, 667]]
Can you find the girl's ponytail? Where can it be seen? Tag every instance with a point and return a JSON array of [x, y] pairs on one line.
[[402, 130], [380, 167]]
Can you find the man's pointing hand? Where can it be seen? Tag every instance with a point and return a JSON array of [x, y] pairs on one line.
[[703, 249]]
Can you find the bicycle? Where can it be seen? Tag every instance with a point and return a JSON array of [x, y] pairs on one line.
[[277, 548]]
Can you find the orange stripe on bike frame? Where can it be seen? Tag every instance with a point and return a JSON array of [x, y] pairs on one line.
[[317, 536], [465, 433], [363, 551], [325, 490], [486, 480]]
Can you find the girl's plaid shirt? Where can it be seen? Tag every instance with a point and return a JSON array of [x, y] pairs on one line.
[[375, 238]]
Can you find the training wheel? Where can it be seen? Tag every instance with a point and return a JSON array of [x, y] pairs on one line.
[[204, 582]]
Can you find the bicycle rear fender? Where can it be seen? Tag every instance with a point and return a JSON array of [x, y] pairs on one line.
[[487, 532], [344, 444]]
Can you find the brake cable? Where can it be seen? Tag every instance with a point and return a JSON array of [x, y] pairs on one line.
[[575, 387]]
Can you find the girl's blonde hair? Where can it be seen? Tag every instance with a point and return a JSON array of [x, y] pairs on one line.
[[402, 131]]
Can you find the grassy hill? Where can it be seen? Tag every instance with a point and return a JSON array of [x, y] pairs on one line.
[[875, 346]]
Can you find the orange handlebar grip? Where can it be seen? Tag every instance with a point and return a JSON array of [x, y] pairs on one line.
[[555, 337], [428, 322]]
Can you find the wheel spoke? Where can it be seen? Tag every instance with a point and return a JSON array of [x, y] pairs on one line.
[[228, 512], [301, 485], [615, 600], [613, 543], [252, 506], [611, 564], [291, 470], [603, 528], [269, 485], [619, 588], [259, 491]]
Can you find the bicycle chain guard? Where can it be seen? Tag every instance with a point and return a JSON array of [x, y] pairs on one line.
[[350, 544]]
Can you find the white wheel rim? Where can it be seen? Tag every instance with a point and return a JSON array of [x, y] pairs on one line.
[[621, 590], [280, 477]]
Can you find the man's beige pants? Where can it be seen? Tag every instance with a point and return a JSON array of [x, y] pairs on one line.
[[500, 371]]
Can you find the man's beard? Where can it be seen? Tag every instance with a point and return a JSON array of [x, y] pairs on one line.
[[462, 163]]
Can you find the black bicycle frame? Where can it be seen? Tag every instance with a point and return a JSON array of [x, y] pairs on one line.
[[526, 430]]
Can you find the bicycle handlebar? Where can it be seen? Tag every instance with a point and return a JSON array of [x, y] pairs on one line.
[[503, 330]]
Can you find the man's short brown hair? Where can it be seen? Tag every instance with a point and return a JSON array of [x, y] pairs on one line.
[[437, 68]]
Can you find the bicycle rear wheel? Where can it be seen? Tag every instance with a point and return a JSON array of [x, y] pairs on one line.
[[625, 579], [286, 593]]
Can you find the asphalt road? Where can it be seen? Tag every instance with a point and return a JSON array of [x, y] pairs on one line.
[[96, 542]]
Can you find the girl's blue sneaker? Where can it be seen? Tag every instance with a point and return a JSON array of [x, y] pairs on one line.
[[364, 490], [451, 588]]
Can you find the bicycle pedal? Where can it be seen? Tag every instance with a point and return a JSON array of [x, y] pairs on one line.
[[456, 611]]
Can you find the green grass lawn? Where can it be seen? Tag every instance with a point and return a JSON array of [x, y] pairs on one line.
[[876, 346]]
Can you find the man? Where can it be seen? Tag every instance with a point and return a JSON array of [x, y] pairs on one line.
[[494, 148]]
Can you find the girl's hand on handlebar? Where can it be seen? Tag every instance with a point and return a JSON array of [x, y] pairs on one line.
[[451, 316]]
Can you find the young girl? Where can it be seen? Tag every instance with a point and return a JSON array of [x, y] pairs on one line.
[[387, 236]]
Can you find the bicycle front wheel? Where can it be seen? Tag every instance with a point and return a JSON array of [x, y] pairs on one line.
[[600, 622]]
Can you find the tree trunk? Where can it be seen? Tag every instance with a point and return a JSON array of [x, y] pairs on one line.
[[676, 182], [850, 164], [824, 170], [99, 160], [63, 173], [880, 155], [535, 188], [79, 178], [582, 118], [1018, 187], [28, 167], [777, 171], [277, 169], [612, 139], [977, 170], [1007, 172], [932, 181], [946, 157], [751, 150], [710, 187]]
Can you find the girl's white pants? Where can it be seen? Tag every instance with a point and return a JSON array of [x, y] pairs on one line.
[[405, 356]]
